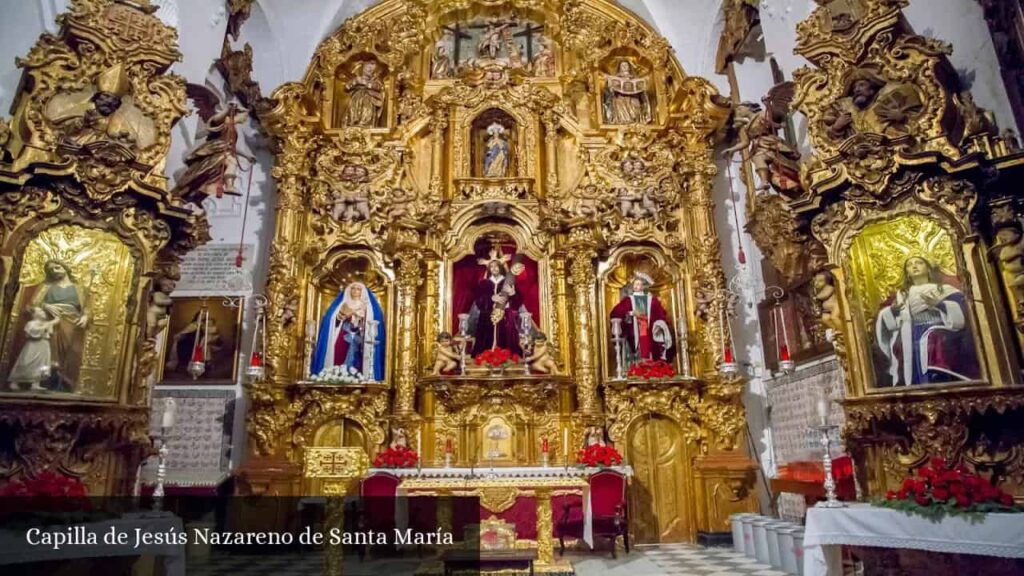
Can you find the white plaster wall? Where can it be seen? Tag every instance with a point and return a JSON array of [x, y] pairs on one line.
[[962, 23], [20, 27]]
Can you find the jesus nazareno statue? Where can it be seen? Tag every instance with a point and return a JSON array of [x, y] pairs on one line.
[[496, 304]]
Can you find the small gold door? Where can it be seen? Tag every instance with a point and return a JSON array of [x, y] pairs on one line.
[[660, 511]]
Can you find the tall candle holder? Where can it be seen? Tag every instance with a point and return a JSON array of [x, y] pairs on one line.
[[831, 500], [619, 341], [166, 423]]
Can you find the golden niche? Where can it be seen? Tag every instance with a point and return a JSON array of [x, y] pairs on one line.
[[67, 326], [912, 304]]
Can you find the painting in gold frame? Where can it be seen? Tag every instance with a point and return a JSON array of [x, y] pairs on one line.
[[68, 322], [914, 309], [222, 345]]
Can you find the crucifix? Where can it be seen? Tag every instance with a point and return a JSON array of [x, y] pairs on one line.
[[458, 35], [529, 31]]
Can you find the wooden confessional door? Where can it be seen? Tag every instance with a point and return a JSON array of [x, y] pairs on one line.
[[659, 509]]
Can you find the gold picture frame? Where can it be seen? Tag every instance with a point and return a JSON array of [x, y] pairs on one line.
[[223, 348]]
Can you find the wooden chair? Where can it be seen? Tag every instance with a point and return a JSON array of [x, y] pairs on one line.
[[608, 511]]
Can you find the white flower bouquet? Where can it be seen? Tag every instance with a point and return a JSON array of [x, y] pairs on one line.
[[340, 375]]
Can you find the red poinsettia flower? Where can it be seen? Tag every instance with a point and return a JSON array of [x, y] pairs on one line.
[[396, 457], [941, 486], [651, 370], [598, 456]]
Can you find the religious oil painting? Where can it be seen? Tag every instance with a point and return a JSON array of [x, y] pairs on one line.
[[917, 316], [66, 329], [639, 320], [505, 42], [495, 296], [202, 330]]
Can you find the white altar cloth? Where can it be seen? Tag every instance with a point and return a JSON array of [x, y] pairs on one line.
[[15, 549], [827, 529], [502, 472]]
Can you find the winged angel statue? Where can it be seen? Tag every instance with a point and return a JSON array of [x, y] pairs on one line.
[[212, 165], [776, 162]]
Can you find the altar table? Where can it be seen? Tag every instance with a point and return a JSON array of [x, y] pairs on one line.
[[499, 487], [1000, 535]]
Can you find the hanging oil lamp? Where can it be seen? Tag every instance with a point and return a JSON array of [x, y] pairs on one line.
[[728, 365], [786, 363], [197, 365], [256, 369]]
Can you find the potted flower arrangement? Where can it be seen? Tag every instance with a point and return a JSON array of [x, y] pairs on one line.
[[340, 375], [497, 359], [651, 370], [939, 489], [598, 456], [396, 457]]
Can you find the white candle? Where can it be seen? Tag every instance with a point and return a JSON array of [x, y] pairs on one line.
[[822, 406], [565, 442], [419, 441], [168, 417]]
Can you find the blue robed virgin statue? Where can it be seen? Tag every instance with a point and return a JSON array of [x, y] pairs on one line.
[[352, 334]]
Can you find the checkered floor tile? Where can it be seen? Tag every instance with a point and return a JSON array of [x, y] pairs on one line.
[[687, 559], [664, 560]]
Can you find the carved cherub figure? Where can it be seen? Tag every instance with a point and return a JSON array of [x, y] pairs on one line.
[[1009, 249], [540, 359], [595, 436], [446, 358], [158, 312], [402, 199], [350, 201], [399, 439], [824, 293]]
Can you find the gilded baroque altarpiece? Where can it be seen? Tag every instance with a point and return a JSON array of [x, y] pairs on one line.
[[90, 240], [457, 177], [905, 227]]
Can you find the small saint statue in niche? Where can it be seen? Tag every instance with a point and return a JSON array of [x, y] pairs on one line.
[[366, 97], [625, 97], [442, 66], [544, 61], [496, 158], [34, 361]]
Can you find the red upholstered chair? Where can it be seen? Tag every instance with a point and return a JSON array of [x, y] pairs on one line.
[[377, 494], [608, 511]]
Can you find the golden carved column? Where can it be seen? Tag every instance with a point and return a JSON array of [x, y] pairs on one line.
[[583, 278], [560, 316], [551, 155], [707, 272], [545, 525], [407, 283], [438, 125]]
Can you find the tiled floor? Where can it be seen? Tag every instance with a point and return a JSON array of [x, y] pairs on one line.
[[665, 560], [686, 559]]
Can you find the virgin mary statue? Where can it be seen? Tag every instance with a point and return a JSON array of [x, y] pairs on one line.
[[352, 334], [922, 330]]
